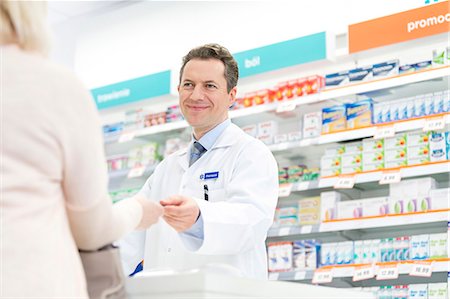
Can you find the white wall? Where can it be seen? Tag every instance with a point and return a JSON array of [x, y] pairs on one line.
[[152, 36]]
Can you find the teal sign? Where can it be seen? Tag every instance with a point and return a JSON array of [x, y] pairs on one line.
[[280, 55], [132, 90]]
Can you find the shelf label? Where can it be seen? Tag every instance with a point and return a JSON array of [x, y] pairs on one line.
[[322, 276], [384, 131], [386, 272], [274, 275], [125, 137], [345, 182], [363, 272], [300, 275], [421, 269], [136, 172], [389, 177], [286, 107], [434, 123], [284, 190], [284, 231]]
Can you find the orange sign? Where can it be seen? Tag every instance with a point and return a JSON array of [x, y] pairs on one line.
[[408, 25]]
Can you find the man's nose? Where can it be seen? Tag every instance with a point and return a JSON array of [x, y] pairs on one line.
[[198, 93]]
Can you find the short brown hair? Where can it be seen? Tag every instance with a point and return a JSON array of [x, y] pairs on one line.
[[215, 51]]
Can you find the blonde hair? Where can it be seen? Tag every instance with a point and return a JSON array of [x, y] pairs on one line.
[[24, 23]]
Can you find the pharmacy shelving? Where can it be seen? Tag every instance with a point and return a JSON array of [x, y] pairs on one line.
[[386, 221], [326, 94], [441, 168], [348, 271], [442, 119]]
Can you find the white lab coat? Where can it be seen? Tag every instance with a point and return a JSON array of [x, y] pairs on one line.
[[237, 216]]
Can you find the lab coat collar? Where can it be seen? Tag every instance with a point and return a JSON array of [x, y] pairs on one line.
[[228, 138]]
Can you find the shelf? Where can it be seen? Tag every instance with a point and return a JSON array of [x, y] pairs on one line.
[[123, 173], [326, 94], [342, 271], [405, 172], [363, 223], [399, 126], [384, 83]]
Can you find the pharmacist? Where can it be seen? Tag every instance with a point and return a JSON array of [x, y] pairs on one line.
[[220, 193]]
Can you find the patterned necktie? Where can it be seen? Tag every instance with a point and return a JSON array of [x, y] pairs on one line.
[[197, 150]]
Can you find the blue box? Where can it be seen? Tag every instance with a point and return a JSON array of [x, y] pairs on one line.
[[360, 74], [337, 79], [384, 69]]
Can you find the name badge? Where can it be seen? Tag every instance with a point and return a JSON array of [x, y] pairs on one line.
[[209, 175]]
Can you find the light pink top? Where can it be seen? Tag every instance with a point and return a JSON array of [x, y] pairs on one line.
[[53, 196]]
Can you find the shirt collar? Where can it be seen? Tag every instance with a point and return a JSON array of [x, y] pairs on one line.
[[211, 136]]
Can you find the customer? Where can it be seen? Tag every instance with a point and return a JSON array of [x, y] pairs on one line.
[[219, 196], [54, 196]]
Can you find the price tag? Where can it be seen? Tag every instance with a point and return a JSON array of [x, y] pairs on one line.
[[345, 182], [125, 137], [136, 172], [274, 275], [435, 123], [421, 269], [363, 273], [286, 106], [389, 177], [284, 190], [284, 231], [322, 276], [384, 131], [300, 275], [387, 272], [306, 229]]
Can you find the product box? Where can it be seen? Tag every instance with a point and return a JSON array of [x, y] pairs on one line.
[[298, 255], [359, 114], [374, 251], [396, 142], [417, 152], [375, 157], [337, 79], [312, 124], [419, 106], [406, 68], [267, 130], [418, 291], [312, 254], [372, 145], [377, 166], [378, 113], [438, 102], [358, 252], [439, 199], [328, 254], [334, 119], [423, 65], [447, 142], [395, 154], [335, 150], [360, 74], [438, 147], [353, 159], [353, 147], [384, 69], [419, 248], [396, 205], [280, 138], [395, 163], [438, 291], [440, 57], [327, 162], [344, 253], [330, 172], [349, 209], [417, 139], [387, 253], [401, 248], [429, 104], [251, 130], [414, 188], [309, 210], [328, 202], [376, 206], [352, 169], [438, 246]]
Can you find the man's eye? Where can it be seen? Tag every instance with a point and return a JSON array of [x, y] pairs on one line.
[[211, 86], [187, 84]]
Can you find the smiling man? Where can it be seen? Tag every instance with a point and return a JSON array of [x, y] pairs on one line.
[[220, 193]]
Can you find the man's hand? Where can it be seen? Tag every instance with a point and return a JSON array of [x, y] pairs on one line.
[[180, 212]]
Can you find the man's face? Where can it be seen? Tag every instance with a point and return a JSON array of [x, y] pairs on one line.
[[204, 99]]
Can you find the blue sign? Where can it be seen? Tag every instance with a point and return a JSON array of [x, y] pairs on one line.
[[132, 90], [280, 55]]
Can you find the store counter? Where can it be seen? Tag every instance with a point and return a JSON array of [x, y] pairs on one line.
[[206, 284]]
